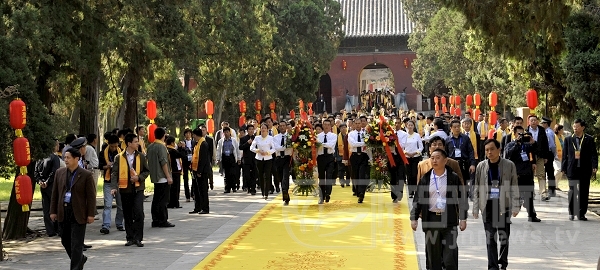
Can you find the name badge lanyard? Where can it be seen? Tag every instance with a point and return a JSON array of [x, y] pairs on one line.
[[580, 144], [459, 143], [72, 181], [436, 185], [490, 173]]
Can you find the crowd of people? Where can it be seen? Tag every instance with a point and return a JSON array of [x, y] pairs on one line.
[[448, 161]]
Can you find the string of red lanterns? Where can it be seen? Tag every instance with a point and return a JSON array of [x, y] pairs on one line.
[[22, 153], [209, 106], [243, 109], [258, 107], [477, 111], [532, 99], [457, 111], [437, 106], [272, 107], [151, 114]]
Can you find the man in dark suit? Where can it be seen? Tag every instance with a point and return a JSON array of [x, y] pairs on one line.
[[201, 168], [579, 162], [248, 161], [73, 204], [440, 212], [188, 146], [459, 148], [212, 152], [543, 153]]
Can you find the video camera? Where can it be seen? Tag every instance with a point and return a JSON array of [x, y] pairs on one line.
[[524, 136]]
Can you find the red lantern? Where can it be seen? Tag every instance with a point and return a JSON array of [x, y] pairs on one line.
[[151, 128], [443, 100], [437, 107], [210, 125], [457, 100], [151, 109], [242, 121], [491, 133], [344, 64], [242, 106], [272, 105], [477, 98], [24, 191], [21, 151], [457, 111], [406, 63], [435, 100], [301, 105], [257, 105], [310, 110], [18, 114], [493, 118], [444, 109], [258, 117], [274, 116], [469, 100], [451, 100], [209, 107], [532, 99], [476, 114], [292, 114], [493, 98]]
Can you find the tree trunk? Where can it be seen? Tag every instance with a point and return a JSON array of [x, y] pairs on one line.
[[120, 119], [15, 224], [88, 116], [217, 117], [43, 89], [131, 98]]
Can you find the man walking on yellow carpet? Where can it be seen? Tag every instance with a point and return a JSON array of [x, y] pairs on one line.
[[440, 201]]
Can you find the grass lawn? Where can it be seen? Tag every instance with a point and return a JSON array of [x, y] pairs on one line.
[[7, 185]]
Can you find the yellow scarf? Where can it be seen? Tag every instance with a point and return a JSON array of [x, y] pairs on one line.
[[274, 131], [142, 144], [173, 147], [196, 155], [559, 147], [421, 126], [484, 131], [125, 172], [107, 172], [500, 134], [473, 142]]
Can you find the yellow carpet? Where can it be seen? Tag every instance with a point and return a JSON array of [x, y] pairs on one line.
[[341, 234]]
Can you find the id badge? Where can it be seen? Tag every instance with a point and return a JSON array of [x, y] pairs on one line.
[[577, 154], [457, 153], [524, 156], [495, 193], [440, 203], [68, 197], [189, 157], [227, 153]]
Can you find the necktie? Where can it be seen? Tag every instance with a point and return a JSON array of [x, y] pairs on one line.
[[325, 141], [358, 149], [270, 133], [282, 153]]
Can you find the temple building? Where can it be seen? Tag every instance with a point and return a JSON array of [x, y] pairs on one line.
[[373, 59]]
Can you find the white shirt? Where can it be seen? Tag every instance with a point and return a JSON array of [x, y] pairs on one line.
[[92, 157], [442, 183], [329, 145], [534, 133], [354, 143], [402, 135], [263, 144], [413, 144], [440, 133], [281, 147]]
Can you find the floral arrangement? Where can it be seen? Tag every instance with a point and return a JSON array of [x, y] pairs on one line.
[[380, 136], [379, 174], [379, 133], [304, 142]]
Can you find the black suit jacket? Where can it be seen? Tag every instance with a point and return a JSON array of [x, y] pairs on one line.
[[186, 151], [457, 204], [588, 157], [204, 164], [248, 156], [211, 147], [543, 149], [466, 148]]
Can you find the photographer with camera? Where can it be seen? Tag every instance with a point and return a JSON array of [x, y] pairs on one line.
[[521, 152]]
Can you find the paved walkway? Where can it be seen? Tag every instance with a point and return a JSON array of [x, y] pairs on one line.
[[555, 243]]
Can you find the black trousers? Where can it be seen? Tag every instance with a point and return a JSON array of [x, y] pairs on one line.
[[201, 192], [282, 165], [549, 169], [174, 191], [325, 168], [397, 177], [229, 165], [411, 173], [133, 214], [51, 226], [264, 168], [250, 173], [441, 248], [343, 174], [497, 235], [72, 235], [159, 211], [360, 173], [526, 190], [186, 178], [579, 191]]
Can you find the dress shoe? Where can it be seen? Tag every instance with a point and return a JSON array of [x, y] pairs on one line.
[[286, 203], [395, 200], [227, 191], [234, 190], [129, 243], [252, 193], [202, 212], [120, 228], [83, 261], [139, 243], [166, 225], [571, 217], [534, 219], [320, 201], [187, 200], [582, 218], [266, 197], [154, 224], [271, 192], [277, 190], [87, 246], [211, 186], [327, 198], [342, 185], [545, 198], [104, 231], [360, 200], [193, 212], [552, 194]]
